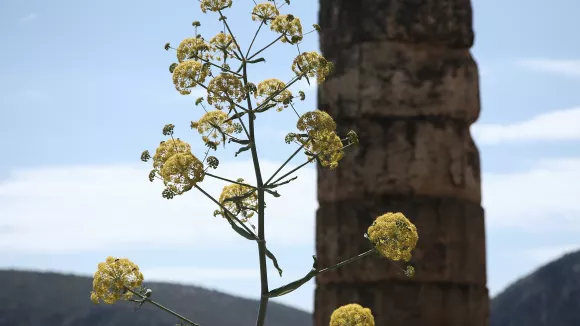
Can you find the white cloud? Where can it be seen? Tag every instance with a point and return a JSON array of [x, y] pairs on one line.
[[569, 68], [89, 208], [552, 126], [84, 208], [544, 198], [28, 18]]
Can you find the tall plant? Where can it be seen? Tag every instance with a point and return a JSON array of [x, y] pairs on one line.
[[205, 64]]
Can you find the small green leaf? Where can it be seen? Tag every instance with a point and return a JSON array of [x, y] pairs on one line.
[[239, 229], [243, 149], [274, 261], [239, 141], [257, 60], [273, 193], [296, 284], [235, 116], [266, 107]]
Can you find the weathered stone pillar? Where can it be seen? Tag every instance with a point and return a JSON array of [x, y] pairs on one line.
[[406, 82]]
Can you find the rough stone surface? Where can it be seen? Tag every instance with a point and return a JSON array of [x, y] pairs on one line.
[[406, 82]]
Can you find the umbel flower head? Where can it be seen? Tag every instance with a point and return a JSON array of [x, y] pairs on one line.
[[225, 88], [313, 64], [352, 315], [215, 5], [208, 127], [327, 146], [193, 48], [289, 26], [177, 166], [394, 236], [270, 86], [189, 74], [246, 204], [112, 279], [181, 172], [265, 12], [315, 121], [222, 43]]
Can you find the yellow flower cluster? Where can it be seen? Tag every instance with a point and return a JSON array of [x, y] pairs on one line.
[[316, 121], [222, 42], [270, 86], [352, 315], [313, 64], [289, 26], [218, 118], [178, 167], [215, 5], [394, 236], [188, 74], [245, 206], [193, 48], [182, 171], [265, 12], [225, 88], [324, 142], [112, 279]]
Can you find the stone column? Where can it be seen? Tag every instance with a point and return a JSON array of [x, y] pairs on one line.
[[406, 82]]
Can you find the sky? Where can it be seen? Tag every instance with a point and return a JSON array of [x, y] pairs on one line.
[[85, 88]]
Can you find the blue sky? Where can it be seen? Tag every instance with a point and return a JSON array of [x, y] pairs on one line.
[[85, 87]]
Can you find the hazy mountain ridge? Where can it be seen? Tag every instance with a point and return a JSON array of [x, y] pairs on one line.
[[550, 296], [51, 299]]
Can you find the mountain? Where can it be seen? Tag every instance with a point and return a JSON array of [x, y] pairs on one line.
[[550, 296], [50, 299]]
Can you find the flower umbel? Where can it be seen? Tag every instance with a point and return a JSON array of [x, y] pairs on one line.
[[316, 121], [225, 88], [327, 146], [313, 65], [265, 12], [270, 86], [288, 26], [193, 48], [239, 199], [223, 45], [210, 122], [215, 5], [181, 172], [189, 74], [352, 315], [112, 279], [394, 236]]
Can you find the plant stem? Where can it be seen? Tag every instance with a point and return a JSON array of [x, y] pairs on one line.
[[261, 208], [350, 260], [225, 210], [293, 170], [267, 46], [283, 165], [145, 299], [230, 181]]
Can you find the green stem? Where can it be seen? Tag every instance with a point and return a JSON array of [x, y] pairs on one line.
[[348, 261], [267, 46], [293, 170], [230, 181], [283, 165], [146, 299], [254, 39], [228, 212], [261, 210]]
